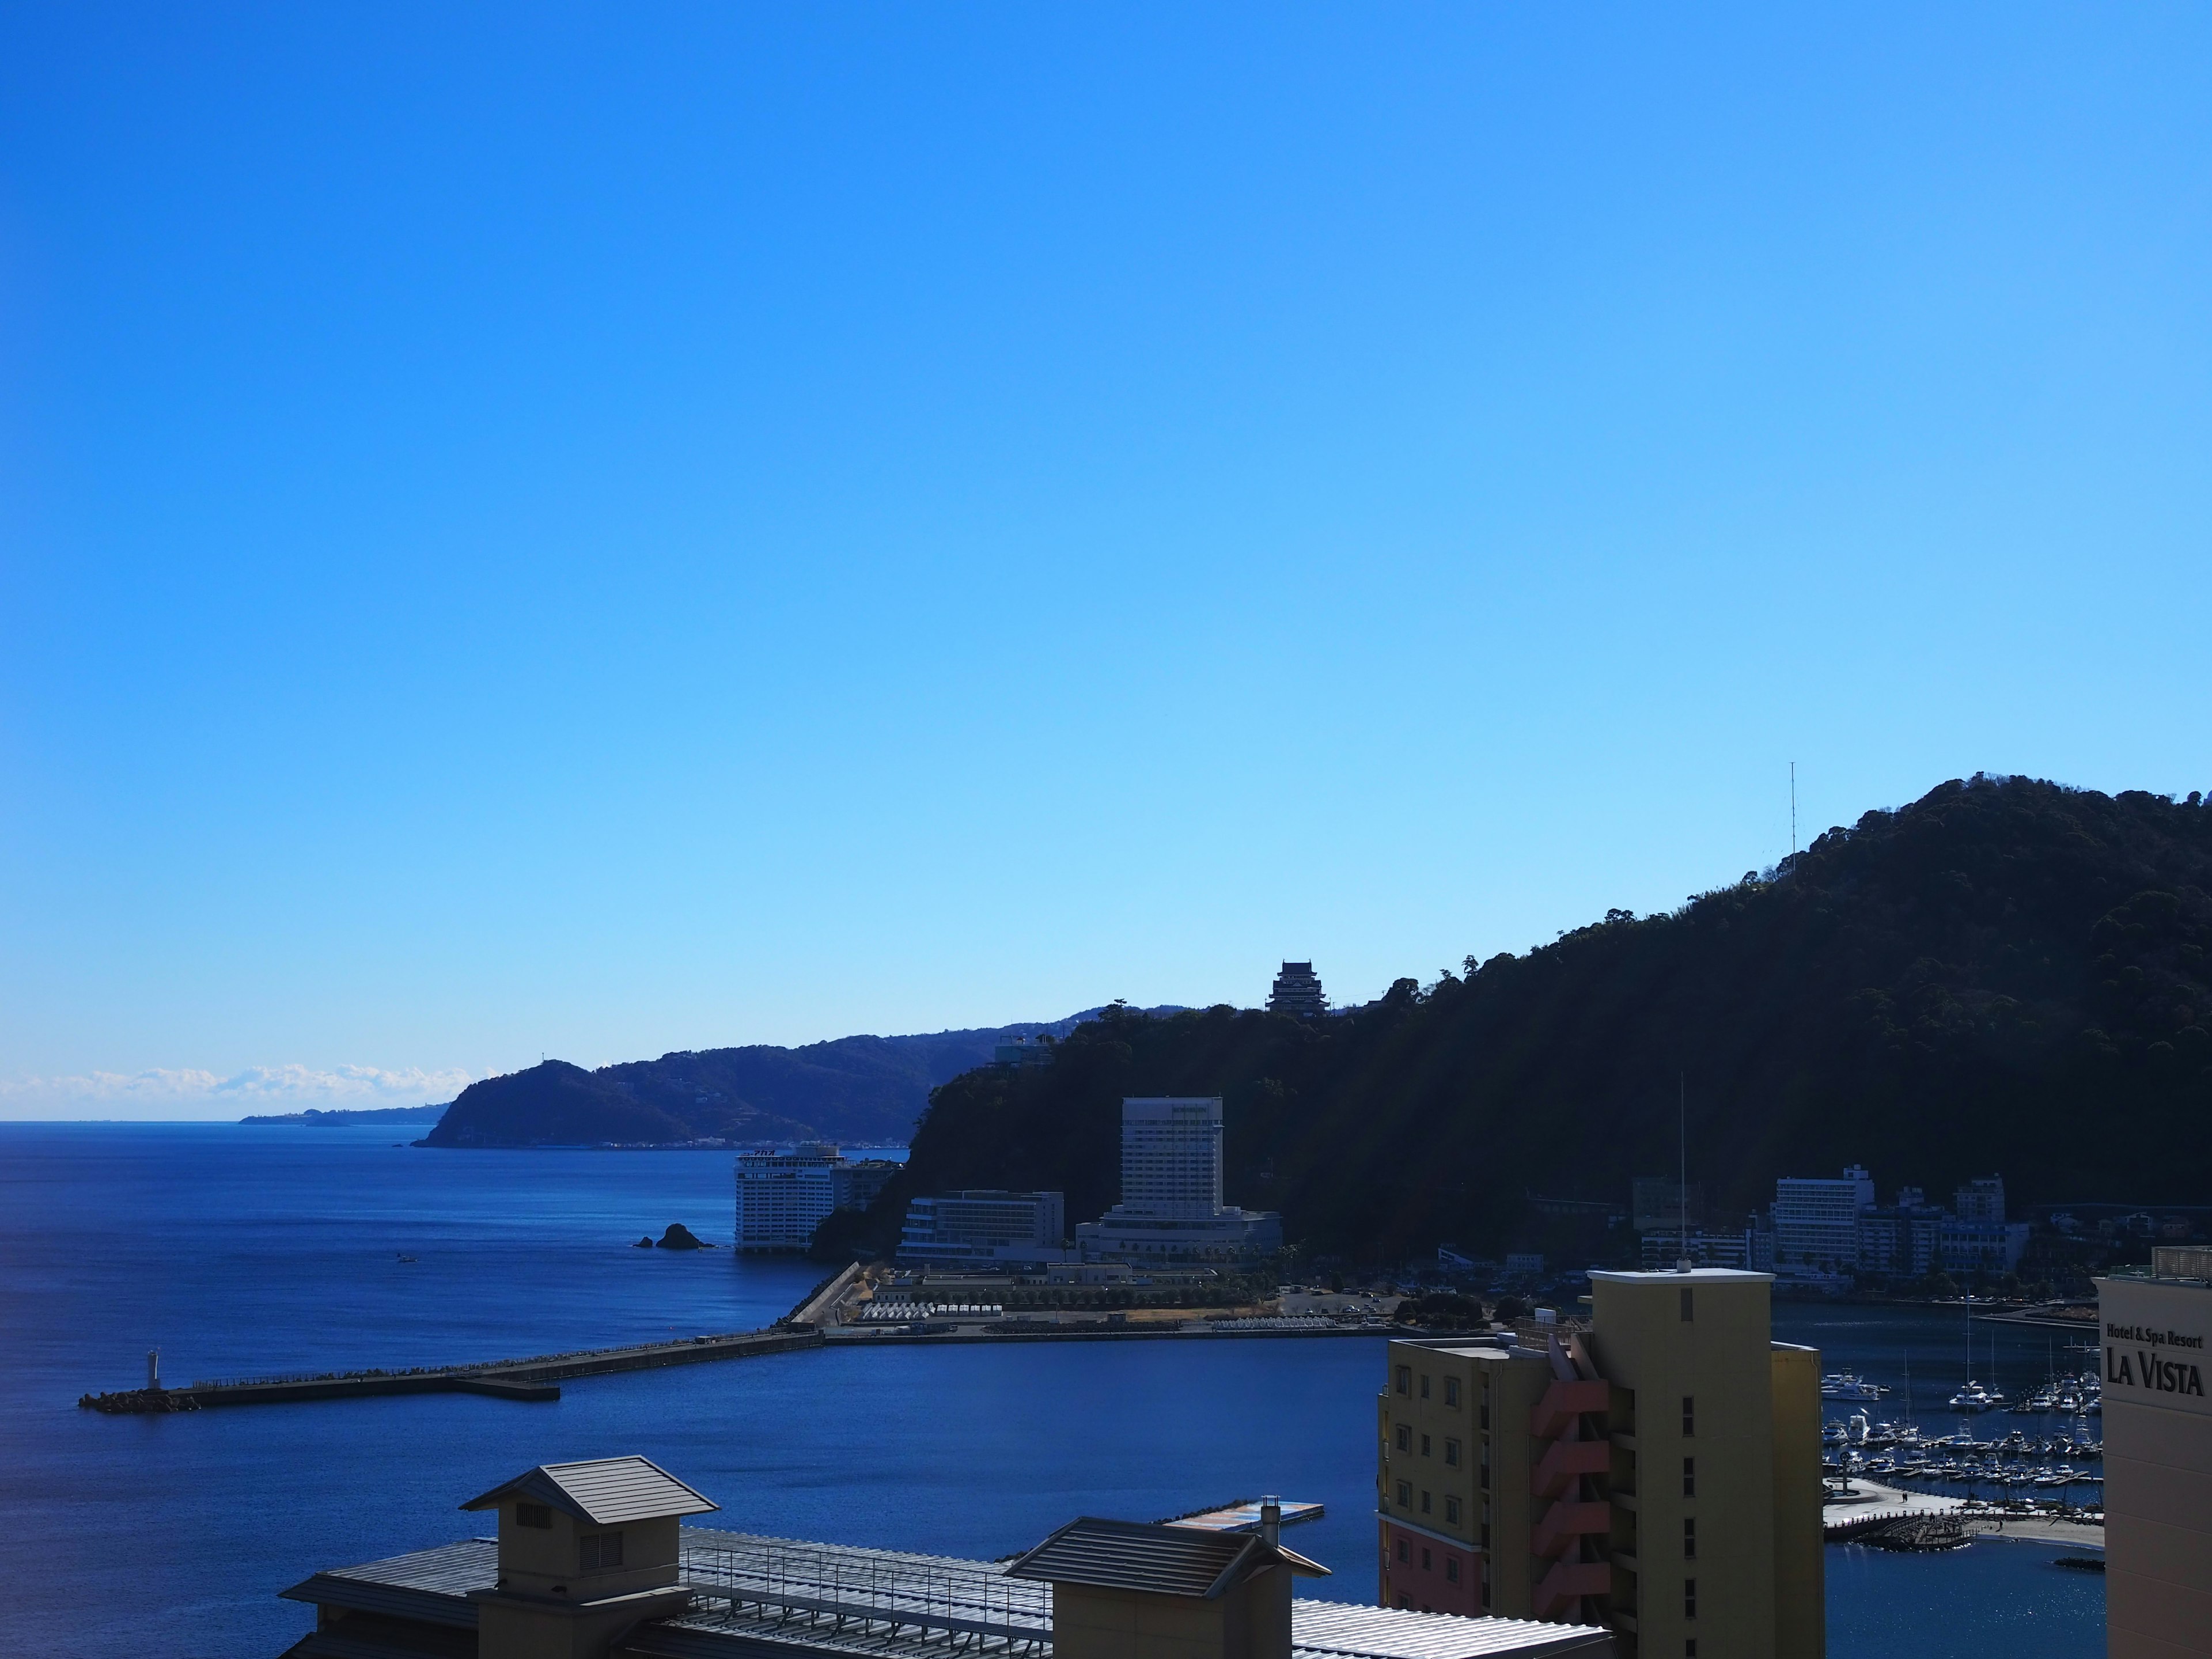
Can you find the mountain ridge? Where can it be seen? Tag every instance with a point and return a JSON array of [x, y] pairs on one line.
[[860, 1089], [2007, 974]]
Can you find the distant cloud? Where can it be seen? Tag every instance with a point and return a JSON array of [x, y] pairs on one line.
[[163, 1092]]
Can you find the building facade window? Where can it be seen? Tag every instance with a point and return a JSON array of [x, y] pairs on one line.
[[1689, 1538], [1405, 1379], [1424, 1385], [1689, 1477], [1425, 1452], [1425, 1503], [1689, 1598], [533, 1514], [1404, 1494], [1451, 1511], [1404, 1437], [1405, 1550], [1451, 1453], [1427, 1563], [1452, 1391], [1689, 1307], [1689, 1416], [595, 1550], [1451, 1568]]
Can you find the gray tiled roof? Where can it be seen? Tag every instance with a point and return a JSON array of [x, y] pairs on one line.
[[429, 1585], [1139, 1555], [606, 1492]]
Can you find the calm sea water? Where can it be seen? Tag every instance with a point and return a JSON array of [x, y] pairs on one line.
[[248, 1251]]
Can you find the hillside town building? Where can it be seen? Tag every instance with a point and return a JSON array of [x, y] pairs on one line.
[[1825, 1229], [592, 1561], [1658, 1473]]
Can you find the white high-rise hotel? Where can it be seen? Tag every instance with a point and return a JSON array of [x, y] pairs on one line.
[[1171, 1208]]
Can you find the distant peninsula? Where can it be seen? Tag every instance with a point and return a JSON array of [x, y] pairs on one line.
[[341, 1115], [865, 1090]]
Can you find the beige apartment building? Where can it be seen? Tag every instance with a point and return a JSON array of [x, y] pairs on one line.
[[1658, 1473], [2158, 1458]]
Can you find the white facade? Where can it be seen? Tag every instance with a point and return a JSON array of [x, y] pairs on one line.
[[978, 1226], [1816, 1222], [783, 1196], [1171, 1208], [1980, 1199], [2158, 1460], [1172, 1157]]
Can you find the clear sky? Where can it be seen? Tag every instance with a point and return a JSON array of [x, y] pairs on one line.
[[595, 529]]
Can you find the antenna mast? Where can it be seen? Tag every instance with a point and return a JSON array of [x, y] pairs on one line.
[[1682, 1147]]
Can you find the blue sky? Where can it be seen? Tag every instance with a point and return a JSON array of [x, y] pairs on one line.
[[596, 529]]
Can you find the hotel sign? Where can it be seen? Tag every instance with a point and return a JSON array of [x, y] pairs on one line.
[[2153, 1343]]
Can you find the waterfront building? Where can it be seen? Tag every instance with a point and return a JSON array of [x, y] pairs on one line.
[[1902, 1239], [1658, 1473], [1705, 1249], [1816, 1222], [1171, 1208], [782, 1196], [957, 1229], [592, 1561], [2157, 1458], [1988, 1248], [1296, 992]]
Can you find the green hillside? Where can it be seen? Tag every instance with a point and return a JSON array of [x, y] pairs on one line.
[[2005, 975]]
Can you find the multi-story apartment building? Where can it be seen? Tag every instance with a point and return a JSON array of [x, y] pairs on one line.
[[1816, 1222], [1659, 1473], [1171, 1208], [1705, 1249], [782, 1196], [2157, 1458], [1902, 1239], [953, 1228]]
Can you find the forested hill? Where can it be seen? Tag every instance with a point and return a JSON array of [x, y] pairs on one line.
[[2006, 975], [865, 1090]]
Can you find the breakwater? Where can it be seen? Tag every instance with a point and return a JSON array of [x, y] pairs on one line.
[[535, 1379]]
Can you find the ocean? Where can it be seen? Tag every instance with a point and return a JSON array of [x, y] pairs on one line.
[[251, 1251]]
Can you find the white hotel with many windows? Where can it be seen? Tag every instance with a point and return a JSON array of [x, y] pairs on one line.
[[1171, 1208]]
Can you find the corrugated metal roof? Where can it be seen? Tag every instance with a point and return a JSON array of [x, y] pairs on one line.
[[430, 1585], [773, 1598], [1338, 1630], [606, 1492], [1138, 1555]]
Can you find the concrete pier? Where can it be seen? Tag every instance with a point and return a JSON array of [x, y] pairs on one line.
[[533, 1379]]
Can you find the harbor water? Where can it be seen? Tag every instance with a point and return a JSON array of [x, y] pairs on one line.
[[249, 1251]]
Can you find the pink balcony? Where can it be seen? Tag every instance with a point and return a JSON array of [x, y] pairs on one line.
[[1564, 1522], [1569, 1580], [1566, 1459], [1563, 1402]]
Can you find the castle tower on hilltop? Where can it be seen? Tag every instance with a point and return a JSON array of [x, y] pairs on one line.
[[1297, 993]]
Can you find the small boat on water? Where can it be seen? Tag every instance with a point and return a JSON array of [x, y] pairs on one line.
[[1850, 1385], [1975, 1398]]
